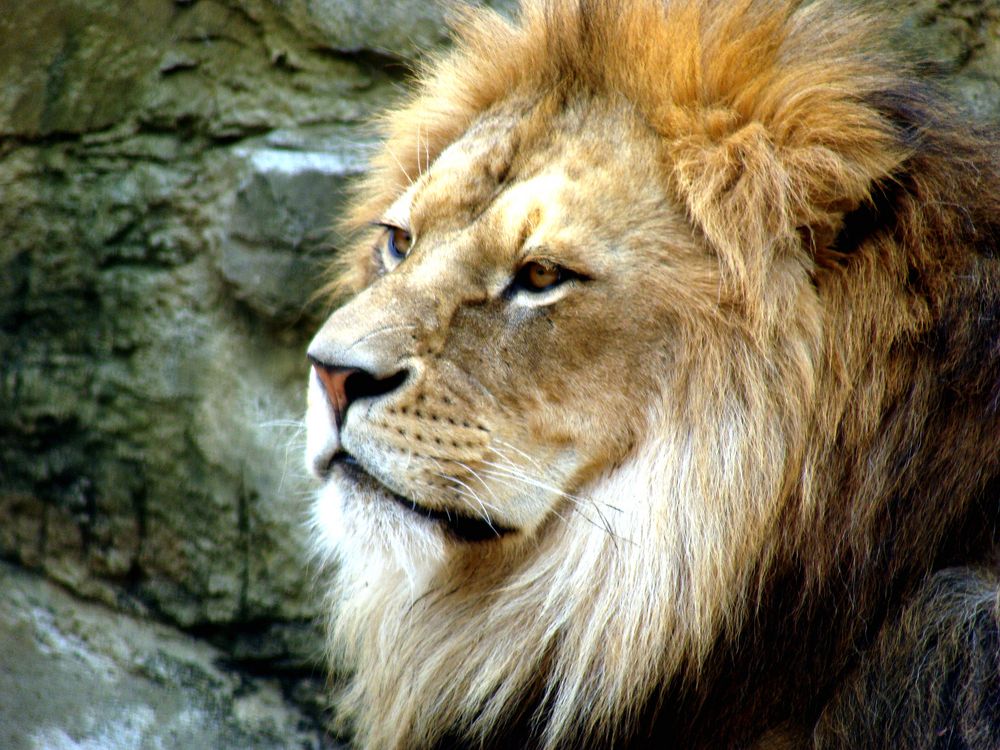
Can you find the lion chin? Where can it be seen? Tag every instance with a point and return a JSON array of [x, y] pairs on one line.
[[663, 408]]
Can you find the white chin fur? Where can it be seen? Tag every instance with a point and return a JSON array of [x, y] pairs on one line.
[[327, 521], [370, 537]]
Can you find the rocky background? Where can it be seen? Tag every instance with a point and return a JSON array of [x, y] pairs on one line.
[[169, 173]]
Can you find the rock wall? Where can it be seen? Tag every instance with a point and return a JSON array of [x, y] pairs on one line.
[[169, 172], [74, 677]]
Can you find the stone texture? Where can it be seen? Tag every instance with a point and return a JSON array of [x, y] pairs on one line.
[[169, 173], [963, 38], [169, 176], [81, 677]]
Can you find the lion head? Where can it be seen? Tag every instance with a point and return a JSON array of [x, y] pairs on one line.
[[633, 373]]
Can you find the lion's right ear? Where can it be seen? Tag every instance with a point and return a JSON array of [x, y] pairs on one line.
[[764, 191]]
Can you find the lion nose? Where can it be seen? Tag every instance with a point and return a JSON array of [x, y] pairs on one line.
[[345, 385]]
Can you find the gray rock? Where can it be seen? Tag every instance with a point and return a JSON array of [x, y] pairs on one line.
[[169, 181], [75, 676], [390, 27], [963, 39], [274, 249]]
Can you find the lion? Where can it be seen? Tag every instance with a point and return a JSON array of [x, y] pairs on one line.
[[663, 407]]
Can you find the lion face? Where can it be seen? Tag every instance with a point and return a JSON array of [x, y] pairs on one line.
[[512, 409], [498, 359]]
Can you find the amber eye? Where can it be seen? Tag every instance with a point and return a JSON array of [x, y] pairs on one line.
[[398, 242], [539, 277]]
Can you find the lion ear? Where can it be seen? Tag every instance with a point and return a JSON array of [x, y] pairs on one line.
[[758, 197]]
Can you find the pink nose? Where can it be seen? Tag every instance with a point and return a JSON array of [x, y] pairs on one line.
[[345, 385], [334, 380]]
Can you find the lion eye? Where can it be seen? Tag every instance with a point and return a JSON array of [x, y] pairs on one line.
[[398, 242], [539, 277]]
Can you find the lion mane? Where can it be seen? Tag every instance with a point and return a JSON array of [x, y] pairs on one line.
[[797, 546]]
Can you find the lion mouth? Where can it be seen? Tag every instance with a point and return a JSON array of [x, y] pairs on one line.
[[461, 526]]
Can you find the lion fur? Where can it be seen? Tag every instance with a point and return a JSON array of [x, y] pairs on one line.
[[827, 577]]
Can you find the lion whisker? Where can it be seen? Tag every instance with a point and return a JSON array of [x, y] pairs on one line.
[[578, 504], [531, 459], [420, 166], [498, 478], [441, 473], [400, 165], [466, 491], [298, 424], [471, 492], [475, 474], [444, 474], [551, 488], [296, 440]]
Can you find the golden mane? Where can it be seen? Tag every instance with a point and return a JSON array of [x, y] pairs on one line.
[[810, 99], [834, 448]]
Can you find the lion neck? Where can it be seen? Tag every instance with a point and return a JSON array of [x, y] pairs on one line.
[[630, 585]]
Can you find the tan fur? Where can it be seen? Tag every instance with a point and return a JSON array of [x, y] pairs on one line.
[[717, 442]]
